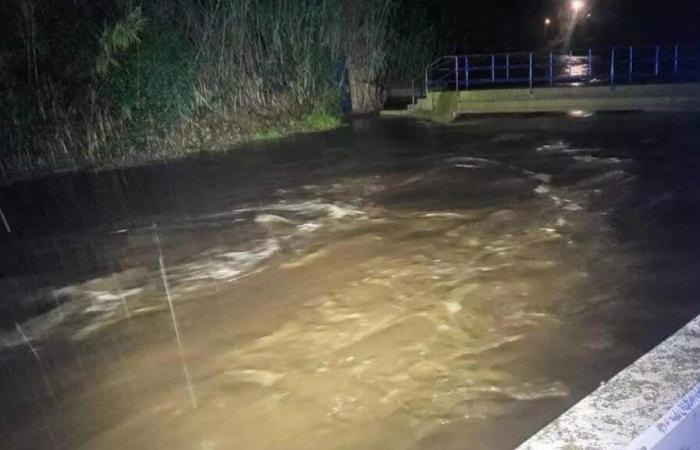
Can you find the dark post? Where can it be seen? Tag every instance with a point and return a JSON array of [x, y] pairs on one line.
[[426, 81], [612, 69], [551, 68], [631, 64], [590, 63], [466, 72], [493, 68], [456, 73], [507, 66], [675, 60], [413, 92], [656, 61], [530, 76]]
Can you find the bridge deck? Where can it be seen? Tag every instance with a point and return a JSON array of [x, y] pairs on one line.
[[656, 97]]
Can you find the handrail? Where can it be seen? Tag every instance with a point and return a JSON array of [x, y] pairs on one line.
[[611, 65]]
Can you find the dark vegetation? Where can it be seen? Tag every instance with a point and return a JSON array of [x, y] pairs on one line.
[[110, 82]]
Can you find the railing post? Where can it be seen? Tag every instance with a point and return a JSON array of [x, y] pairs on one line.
[[675, 60], [413, 92], [493, 68], [466, 72], [456, 73], [551, 69], [612, 69], [656, 61], [507, 66], [530, 75], [631, 64], [426, 81], [590, 63]]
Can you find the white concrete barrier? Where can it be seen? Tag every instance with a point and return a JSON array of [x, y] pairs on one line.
[[654, 404]]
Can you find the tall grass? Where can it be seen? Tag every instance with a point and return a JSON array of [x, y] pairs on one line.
[[265, 56], [155, 78]]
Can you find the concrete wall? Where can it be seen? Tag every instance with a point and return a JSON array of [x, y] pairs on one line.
[[663, 97], [654, 404]]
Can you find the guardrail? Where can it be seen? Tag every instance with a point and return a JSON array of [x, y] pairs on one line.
[[612, 65]]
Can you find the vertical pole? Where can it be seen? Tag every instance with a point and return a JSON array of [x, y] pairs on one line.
[[466, 71], [551, 68], [413, 92], [456, 73], [590, 63], [530, 76], [493, 68], [656, 61], [612, 70], [675, 60], [631, 65], [507, 66], [426, 81]]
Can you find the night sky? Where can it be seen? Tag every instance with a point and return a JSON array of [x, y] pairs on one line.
[[519, 24]]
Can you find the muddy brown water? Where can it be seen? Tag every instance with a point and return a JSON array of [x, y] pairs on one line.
[[393, 284]]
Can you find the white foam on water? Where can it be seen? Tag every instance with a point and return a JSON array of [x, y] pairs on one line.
[[39, 327], [309, 227], [272, 219], [563, 147], [467, 166], [443, 215], [227, 266], [453, 307], [107, 301], [573, 207], [552, 147], [588, 159], [306, 208], [542, 189], [471, 162]]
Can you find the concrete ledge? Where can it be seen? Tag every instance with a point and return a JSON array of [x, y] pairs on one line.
[[652, 404], [678, 429], [652, 97]]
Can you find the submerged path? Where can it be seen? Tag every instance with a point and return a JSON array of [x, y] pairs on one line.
[[395, 284]]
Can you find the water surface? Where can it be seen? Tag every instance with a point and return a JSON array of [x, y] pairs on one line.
[[394, 284]]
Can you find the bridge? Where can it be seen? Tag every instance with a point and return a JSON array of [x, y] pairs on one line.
[[655, 402], [665, 78]]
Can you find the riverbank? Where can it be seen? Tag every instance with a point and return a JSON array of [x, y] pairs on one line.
[[189, 138], [119, 84]]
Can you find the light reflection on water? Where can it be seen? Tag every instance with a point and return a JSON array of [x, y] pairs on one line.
[[428, 307]]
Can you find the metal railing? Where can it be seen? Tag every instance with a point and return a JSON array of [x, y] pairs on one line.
[[607, 66]]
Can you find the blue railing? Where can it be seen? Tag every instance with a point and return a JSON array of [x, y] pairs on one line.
[[611, 66]]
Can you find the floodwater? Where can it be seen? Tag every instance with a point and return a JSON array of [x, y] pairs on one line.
[[393, 284]]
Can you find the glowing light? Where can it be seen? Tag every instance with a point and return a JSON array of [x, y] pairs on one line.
[[547, 21], [580, 113], [577, 5]]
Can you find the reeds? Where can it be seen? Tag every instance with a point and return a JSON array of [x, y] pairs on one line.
[[169, 77]]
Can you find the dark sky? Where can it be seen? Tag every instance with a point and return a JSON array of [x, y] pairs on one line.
[[519, 24]]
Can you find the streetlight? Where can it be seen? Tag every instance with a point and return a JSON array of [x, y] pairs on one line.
[[547, 23], [577, 6]]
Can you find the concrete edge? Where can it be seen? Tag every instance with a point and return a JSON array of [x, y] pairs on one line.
[[446, 105], [635, 399], [678, 429]]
